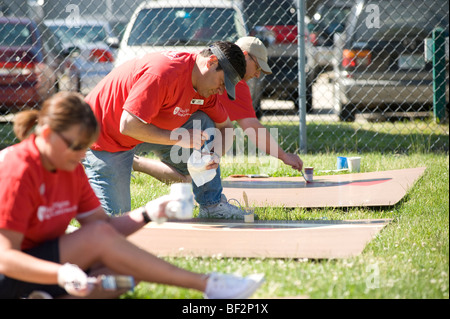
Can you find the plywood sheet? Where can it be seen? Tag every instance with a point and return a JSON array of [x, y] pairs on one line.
[[382, 188], [271, 239]]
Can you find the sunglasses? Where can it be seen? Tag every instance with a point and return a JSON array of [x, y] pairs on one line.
[[258, 68], [71, 145]]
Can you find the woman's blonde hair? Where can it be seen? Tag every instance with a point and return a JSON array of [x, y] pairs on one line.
[[60, 112]]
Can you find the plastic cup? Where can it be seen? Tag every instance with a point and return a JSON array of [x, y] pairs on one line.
[[342, 162], [181, 190], [354, 164], [182, 203]]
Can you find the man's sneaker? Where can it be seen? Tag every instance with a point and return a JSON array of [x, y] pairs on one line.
[[222, 210], [221, 286]]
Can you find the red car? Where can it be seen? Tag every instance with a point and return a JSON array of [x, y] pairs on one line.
[[33, 65]]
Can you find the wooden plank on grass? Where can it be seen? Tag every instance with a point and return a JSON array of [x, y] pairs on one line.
[[384, 188], [269, 239]]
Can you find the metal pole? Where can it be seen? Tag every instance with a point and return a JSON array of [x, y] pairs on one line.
[[301, 73], [438, 74]]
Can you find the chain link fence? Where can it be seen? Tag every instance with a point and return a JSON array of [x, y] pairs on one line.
[[365, 69]]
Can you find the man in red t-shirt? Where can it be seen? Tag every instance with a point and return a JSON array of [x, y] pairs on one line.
[[143, 104], [240, 110]]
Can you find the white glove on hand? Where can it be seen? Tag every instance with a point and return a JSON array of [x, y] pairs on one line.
[[156, 209], [74, 280]]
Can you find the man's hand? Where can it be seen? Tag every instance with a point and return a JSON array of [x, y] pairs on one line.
[[193, 138], [214, 162], [293, 160]]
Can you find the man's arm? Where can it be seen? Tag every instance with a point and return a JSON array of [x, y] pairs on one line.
[[134, 127], [226, 131], [268, 144]]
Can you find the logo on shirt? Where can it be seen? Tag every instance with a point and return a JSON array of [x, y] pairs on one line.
[[181, 112], [57, 209]]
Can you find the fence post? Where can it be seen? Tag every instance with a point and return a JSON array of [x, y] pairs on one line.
[[301, 73], [438, 54]]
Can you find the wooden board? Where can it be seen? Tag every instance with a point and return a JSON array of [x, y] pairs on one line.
[[271, 239], [383, 188]]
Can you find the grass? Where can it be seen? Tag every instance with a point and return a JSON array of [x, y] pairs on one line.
[[408, 259]]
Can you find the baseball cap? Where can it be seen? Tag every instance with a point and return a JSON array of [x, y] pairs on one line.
[[231, 77], [256, 48]]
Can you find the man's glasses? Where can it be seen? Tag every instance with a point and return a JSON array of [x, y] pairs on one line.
[[71, 145], [258, 68]]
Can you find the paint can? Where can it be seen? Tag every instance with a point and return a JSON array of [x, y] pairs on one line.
[[249, 215], [354, 164], [309, 173], [341, 162]]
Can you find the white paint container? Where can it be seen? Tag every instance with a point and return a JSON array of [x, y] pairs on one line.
[[249, 216], [182, 201], [354, 164]]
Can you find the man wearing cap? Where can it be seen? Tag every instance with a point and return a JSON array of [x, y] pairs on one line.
[[240, 110], [142, 102]]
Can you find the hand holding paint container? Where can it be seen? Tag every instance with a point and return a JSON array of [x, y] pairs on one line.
[[309, 174], [182, 201]]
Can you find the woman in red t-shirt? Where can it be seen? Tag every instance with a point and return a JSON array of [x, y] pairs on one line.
[[43, 187]]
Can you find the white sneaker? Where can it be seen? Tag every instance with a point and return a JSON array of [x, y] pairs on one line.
[[221, 210], [38, 294], [222, 286]]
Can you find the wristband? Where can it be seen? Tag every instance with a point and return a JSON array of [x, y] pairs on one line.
[[145, 215]]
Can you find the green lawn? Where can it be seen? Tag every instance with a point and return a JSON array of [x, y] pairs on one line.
[[408, 259]]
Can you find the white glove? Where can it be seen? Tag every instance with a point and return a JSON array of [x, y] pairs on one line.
[[74, 280], [155, 209]]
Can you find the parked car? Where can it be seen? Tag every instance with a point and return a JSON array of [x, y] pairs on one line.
[[118, 27], [275, 23], [172, 25], [32, 64], [382, 65], [329, 19], [91, 44]]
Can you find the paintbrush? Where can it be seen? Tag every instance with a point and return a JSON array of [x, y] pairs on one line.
[[244, 194], [304, 177], [112, 283]]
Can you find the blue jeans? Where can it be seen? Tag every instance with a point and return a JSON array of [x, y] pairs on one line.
[[109, 173]]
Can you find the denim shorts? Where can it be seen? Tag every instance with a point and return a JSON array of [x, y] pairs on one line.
[[14, 289]]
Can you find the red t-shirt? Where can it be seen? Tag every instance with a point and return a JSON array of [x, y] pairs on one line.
[[242, 106], [38, 203], [157, 89]]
